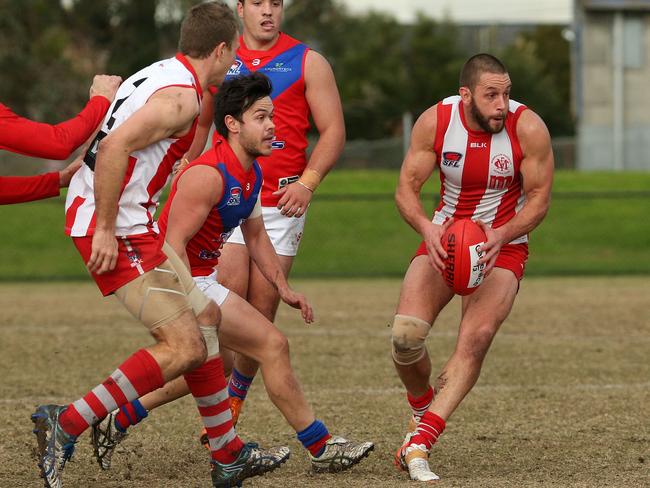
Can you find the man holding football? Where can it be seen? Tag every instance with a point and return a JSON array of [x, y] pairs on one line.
[[496, 168]]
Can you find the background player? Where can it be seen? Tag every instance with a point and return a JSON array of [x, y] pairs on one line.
[[304, 85], [109, 212], [209, 199], [502, 179]]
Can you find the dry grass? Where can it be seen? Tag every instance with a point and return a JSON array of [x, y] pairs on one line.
[[563, 400]]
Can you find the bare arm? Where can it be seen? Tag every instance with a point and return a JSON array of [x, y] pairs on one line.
[[197, 191], [170, 112], [261, 250], [202, 128], [537, 174], [418, 165], [324, 102]]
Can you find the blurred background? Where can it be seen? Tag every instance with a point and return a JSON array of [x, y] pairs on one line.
[[583, 65]]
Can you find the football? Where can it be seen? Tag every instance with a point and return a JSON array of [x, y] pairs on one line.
[[461, 241]]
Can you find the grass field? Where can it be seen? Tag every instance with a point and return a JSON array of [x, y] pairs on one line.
[[598, 224], [563, 400]]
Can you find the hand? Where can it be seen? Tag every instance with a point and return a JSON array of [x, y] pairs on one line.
[[65, 175], [297, 300], [432, 236], [491, 248], [103, 256], [105, 86], [294, 199], [178, 167]]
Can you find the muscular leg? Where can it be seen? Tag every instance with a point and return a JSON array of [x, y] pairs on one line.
[[424, 294], [263, 296], [233, 272], [177, 388], [244, 330], [483, 313]]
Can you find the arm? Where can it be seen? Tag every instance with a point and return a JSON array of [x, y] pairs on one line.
[[19, 189], [202, 128], [18, 134], [324, 102], [537, 174], [197, 191], [418, 165], [170, 112], [261, 250]]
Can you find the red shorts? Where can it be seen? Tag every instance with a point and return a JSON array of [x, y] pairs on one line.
[[136, 255], [511, 256]]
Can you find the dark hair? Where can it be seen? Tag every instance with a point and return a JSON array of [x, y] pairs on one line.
[[237, 95], [205, 26], [478, 64]]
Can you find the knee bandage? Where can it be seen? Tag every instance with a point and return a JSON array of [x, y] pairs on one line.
[[211, 340], [408, 336]]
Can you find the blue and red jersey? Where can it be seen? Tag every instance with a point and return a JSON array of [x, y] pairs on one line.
[[240, 192], [284, 65]]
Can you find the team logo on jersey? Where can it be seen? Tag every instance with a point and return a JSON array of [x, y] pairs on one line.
[[501, 163], [235, 69], [208, 255], [451, 159], [278, 145], [235, 197], [279, 68]]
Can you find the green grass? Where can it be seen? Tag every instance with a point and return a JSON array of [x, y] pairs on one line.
[[598, 224]]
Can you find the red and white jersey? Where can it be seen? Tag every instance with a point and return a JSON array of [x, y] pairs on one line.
[[149, 169], [479, 171]]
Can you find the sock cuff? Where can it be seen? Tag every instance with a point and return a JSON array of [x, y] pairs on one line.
[[240, 378], [421, 401], [151, 366], [434, 421]]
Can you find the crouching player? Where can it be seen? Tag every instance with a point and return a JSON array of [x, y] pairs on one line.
[[209, 198]]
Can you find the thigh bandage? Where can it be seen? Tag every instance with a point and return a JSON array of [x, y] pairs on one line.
[[195, 296], [408, 336], [156, 297]]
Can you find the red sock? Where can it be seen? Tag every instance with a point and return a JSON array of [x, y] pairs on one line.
[[209, 388], [429, 429], [420, 404], [137, 376]]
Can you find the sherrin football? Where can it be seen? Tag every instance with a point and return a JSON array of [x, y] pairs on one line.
[[461, 241]]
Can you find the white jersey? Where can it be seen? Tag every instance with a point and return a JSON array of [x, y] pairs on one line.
[[479, 171], [149, 169]]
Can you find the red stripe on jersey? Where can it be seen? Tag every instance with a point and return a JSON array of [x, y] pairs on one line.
[[443, 116], [507, 207], [71, 214], [473, 181]]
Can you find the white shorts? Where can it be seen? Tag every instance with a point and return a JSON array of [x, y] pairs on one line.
[[285, 232], [211, 288]]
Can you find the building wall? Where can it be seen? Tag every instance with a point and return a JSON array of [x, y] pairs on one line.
[[596, 117]]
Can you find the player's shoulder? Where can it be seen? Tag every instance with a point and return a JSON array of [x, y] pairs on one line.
[[531, 126]]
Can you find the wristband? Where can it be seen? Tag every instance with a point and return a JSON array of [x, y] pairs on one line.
[[310, 179]]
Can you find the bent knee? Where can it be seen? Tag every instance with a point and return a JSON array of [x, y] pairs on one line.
[[407, 339]]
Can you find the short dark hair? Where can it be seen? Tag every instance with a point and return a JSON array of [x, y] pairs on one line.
[[237, 95], [205, 26], [477, 65]]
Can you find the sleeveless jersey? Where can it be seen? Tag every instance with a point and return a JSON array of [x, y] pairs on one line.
[[479, 171], [241, 190], [284, 64], [148, 170]]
